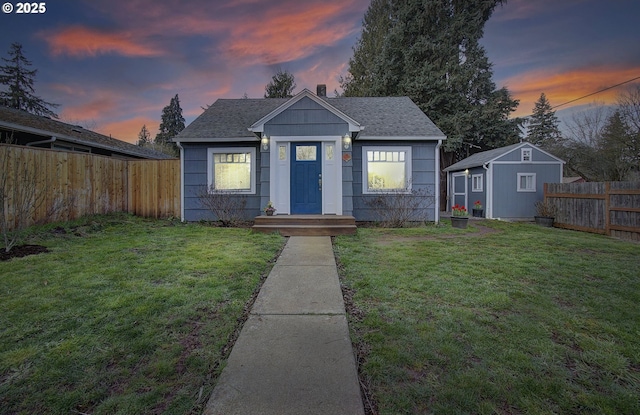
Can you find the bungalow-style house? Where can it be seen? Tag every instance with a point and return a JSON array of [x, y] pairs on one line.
[[43, 132], [309, 154], [507, 181]]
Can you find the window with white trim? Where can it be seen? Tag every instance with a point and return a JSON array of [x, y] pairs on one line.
[[525, 154], [232, 169], [476, 182], [526, 182], [386, 169]]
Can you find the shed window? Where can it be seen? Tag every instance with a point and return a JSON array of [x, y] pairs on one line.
[[386, 169], [526, 182], [476, 183], [232, 169], [525, 154]]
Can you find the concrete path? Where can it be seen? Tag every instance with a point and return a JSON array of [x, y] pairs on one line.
[[293, 355]]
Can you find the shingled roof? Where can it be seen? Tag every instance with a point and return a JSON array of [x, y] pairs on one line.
[[17, 120], [380, 117], [484, 157]]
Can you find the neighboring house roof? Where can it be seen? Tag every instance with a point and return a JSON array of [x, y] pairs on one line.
[[484, 157], [18, 120], [377, 117], [574, 179]]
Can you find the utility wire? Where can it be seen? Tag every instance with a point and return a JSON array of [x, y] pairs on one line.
[[591, 94]]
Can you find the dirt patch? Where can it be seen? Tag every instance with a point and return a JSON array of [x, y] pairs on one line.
[[22, 251]]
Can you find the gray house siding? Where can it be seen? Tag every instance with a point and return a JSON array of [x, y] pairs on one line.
[[536, 156], [474, 195], [195, 179], [508, 202], [423, 175], [306, 118]]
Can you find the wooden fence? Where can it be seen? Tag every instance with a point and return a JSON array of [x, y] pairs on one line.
[[609, 208], [71, 185]]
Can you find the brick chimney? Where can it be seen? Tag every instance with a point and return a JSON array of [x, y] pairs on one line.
[[321, 90]]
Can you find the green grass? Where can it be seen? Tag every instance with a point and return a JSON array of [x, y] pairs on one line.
[[124, 315], [521, 320]]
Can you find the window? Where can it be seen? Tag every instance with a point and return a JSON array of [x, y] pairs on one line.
[[526, 182], [476, 183], [386, 169], [306, 153], [232, 169], [329, 152], [525, 154]]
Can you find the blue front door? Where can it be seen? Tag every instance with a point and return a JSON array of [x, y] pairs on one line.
[[306, 178]]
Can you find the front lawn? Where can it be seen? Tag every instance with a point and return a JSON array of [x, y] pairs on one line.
[[124, 315], [500, 318]]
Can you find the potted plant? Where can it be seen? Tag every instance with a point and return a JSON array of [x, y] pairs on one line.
[[478, 211], [459, 217], [545, 213], [269, 209]]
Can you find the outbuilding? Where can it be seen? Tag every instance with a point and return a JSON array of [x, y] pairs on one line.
[[507, 181]]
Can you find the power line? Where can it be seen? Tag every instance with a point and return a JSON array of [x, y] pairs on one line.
[[591, 94], [597, 92]]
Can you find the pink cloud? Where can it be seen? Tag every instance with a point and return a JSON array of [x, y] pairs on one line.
[[286, 35], [81, 41], [128, 129], [563, 87]]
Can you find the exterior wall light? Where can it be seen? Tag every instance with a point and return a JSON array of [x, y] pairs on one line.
[[466, 172], [346, 142], [265, 142]]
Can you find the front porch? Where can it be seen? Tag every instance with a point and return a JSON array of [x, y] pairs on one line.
[[306, 225]]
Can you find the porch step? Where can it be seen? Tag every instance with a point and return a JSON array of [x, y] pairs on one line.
[[306, 225]]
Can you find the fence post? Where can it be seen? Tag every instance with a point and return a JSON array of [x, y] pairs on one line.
[[607, 211]]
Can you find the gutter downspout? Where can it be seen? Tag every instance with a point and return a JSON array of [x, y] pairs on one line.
[[437, 190], [489, 191], [181, 180], [49, 140]]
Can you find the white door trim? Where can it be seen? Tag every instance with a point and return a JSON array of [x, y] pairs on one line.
[[280, 173]]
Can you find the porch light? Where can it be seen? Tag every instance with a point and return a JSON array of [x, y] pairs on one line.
[[265, 142], [466, 172], [346, 142]]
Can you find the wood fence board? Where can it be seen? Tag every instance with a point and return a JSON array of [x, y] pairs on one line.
[[72, 185], [610, 208]]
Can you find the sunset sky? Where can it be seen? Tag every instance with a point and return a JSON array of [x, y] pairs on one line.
[[113, 65]]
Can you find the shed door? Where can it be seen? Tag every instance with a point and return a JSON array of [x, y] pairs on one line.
[[306, 178], [459, 190]]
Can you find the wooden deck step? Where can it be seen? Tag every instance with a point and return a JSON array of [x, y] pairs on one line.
[[306, 225]]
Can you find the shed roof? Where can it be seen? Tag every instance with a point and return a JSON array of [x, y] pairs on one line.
[[484, 157], [13, 119], [380, 118]]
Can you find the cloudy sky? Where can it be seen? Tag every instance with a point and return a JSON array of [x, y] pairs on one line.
[[112, 65]]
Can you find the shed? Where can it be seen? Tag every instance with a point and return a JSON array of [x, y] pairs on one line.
[[506, 181]]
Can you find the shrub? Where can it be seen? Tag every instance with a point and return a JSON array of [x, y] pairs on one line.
[[399, 208], [227, 206]]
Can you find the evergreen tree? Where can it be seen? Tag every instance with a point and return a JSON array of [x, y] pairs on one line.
[[172, 122], [19, 79], [144, 136], [281, 86], [616, 157], [543, 125], [429, 50]]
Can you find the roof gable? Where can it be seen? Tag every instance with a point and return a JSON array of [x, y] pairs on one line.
[[258, 126], [489, 156]]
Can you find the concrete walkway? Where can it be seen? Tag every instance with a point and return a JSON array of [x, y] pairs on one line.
[[293, 355]]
